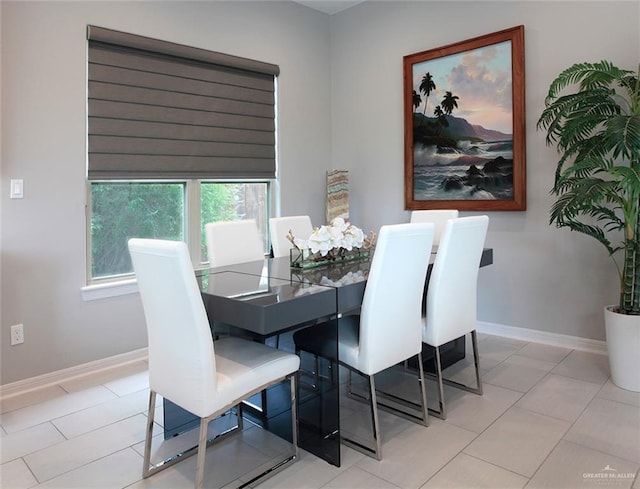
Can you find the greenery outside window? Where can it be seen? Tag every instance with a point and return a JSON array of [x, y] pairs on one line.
[[175, 210], [123, 210]]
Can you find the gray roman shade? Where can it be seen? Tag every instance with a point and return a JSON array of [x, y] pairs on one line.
[[162, 110]]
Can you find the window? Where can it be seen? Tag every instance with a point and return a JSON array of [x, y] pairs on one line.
[[177, 137], [120, 211], [159, 209]]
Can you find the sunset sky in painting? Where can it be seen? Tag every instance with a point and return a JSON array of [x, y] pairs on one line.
[[481, 78]]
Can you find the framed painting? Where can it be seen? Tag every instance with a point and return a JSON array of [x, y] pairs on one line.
[[464, 125]]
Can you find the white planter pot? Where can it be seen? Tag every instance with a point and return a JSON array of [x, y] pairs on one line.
[[623, 344]]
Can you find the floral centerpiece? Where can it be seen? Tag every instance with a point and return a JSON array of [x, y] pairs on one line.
[[338, 240]]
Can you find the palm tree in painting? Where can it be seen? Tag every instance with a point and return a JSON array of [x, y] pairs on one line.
[[449, 102], [426, 86], [442, 120], [417, 100]]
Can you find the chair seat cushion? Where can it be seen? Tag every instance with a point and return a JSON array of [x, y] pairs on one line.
[[245, 366]]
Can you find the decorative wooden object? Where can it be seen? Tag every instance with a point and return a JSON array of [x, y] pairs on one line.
[[337, 194]]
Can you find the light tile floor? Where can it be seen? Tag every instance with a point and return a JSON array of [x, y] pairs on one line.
[[549, 418]]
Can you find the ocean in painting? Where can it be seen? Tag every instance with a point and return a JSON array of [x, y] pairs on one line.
[[471, 171]]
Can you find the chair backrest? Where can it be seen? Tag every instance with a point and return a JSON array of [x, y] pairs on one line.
[[279, 227], [439, 217], [181, 353], [451, 297], [231, 242], [391, 312]]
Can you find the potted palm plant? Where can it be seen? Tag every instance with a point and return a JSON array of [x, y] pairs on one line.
[[596, 129]]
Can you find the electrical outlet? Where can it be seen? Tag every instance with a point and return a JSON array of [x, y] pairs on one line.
[[17, 334]]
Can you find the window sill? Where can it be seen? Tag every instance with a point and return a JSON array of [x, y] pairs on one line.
[[115, 288], [111, 289]]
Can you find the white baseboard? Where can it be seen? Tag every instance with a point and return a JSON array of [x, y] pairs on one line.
[[553, 339], [524, 334], [64, 375]]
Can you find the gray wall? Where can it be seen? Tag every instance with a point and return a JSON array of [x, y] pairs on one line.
[[543, 278], [340, 106], [43, 142]]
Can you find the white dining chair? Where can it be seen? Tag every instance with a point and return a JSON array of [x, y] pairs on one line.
[[452, 296], [439, 217], [388, 330], [231, 242], [187, 367], [279, 227]]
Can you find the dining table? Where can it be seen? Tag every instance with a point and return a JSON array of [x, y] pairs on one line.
[[267, 300]]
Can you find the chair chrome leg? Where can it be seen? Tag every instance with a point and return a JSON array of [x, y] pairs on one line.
[[204, 442], [416, 412], [202, 452], [294, 413], [475, 390], [423, 391], [374, 419], [441, 412], [293, 455], [476, 361], [374, 449], [147, 442]]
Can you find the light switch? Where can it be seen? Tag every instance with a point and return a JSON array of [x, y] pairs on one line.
[[17, 189]]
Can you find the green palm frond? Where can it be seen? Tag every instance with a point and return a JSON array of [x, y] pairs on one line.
[[630, 83], [580, 194], [622, 135], [589, 76], [584, 168], [628, 178], [578, 151], [584, 110]]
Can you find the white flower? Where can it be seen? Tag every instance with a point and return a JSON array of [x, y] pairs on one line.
[[334, 236], [339, 224], [353, 238], [320, 240]]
